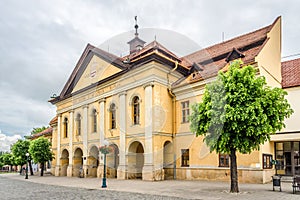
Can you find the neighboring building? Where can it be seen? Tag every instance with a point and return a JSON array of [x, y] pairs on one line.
[[140, 103], [47, 133], [287, 146]]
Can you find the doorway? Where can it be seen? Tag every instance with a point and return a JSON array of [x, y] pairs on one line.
[[287, 156]]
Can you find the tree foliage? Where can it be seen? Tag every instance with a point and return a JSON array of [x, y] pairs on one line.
[[40, 151], [19, 150], [38, 130], [239, 112], [7, 159]]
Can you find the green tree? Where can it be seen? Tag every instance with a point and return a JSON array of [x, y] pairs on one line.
[[19, 150], [38, 130], [7, 159], [238, 113], [40, 151]]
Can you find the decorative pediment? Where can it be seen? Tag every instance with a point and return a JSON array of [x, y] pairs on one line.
[[96, 70], [93, 66]]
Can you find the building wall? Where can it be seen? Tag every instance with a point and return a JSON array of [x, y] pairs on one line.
[[269, 58], [293, 97]]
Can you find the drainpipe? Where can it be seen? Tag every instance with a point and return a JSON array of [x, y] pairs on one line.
[[173, 119]]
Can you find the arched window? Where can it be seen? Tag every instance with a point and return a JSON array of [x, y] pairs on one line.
[[136, 110], [65, 127], [112, 111], [78, 124], [94, 121]]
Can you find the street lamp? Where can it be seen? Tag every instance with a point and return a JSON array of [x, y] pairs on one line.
[[105, 150], [26, 170]]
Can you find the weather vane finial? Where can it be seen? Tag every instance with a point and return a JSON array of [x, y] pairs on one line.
[[136, 26]]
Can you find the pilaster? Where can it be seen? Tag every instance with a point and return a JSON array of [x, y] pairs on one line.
[[70, 166], [121, 171], [101, 130], [148, 169], [57, 167]]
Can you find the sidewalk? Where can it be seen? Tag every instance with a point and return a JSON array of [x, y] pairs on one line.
[[174, 188]]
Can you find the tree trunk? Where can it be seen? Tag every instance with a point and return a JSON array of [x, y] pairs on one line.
[[234, 188], [30, 167], [42, 169]]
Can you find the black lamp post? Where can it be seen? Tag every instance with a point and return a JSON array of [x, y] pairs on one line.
[[26, 170], [105, 150]]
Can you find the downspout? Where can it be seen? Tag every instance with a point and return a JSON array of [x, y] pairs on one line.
[[173, 119]]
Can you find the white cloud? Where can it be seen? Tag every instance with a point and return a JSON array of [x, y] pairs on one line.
[[41, 41], [6, 141]]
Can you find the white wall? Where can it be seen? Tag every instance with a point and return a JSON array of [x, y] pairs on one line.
[[293, 123]]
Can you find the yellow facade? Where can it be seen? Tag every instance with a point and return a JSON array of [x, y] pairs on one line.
[[139, 111]]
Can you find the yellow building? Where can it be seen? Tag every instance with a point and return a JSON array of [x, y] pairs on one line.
[[140, 103]]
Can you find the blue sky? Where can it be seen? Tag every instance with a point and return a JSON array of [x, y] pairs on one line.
[[41, 41]]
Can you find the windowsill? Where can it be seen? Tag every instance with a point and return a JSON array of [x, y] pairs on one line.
[[135, 125]]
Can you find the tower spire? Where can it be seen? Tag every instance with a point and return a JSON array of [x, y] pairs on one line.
[[136, 27], [136, 43]]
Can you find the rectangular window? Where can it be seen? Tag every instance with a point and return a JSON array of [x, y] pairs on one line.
[[185, 107], [267, 161], [223, 160], [185, 158]]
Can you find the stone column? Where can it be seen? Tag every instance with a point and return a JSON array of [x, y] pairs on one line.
[[101, 136], [57, 167], [122, 168], [85, 137], [148, 152], [70, 166]]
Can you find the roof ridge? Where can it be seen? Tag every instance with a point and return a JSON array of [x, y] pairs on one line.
[[295, 59], [267, 28]]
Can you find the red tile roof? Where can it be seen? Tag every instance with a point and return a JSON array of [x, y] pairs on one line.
[[151, 47], [213, 58], [290, 71], [45, 132]]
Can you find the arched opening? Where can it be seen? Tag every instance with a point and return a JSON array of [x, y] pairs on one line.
[[168, 160], [113, 161], [135, 160], [93, 162], [77, 162], [64, 162]]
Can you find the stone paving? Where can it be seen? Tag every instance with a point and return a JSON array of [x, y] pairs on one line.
[[14, 186]]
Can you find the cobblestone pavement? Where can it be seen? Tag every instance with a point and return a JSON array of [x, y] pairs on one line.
[[14, 186], [16, 189]]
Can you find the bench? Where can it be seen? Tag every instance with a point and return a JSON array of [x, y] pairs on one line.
[[296, 184]]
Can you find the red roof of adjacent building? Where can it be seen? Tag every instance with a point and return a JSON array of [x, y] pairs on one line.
[[290, 71], [45, 132], [214, 58]]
